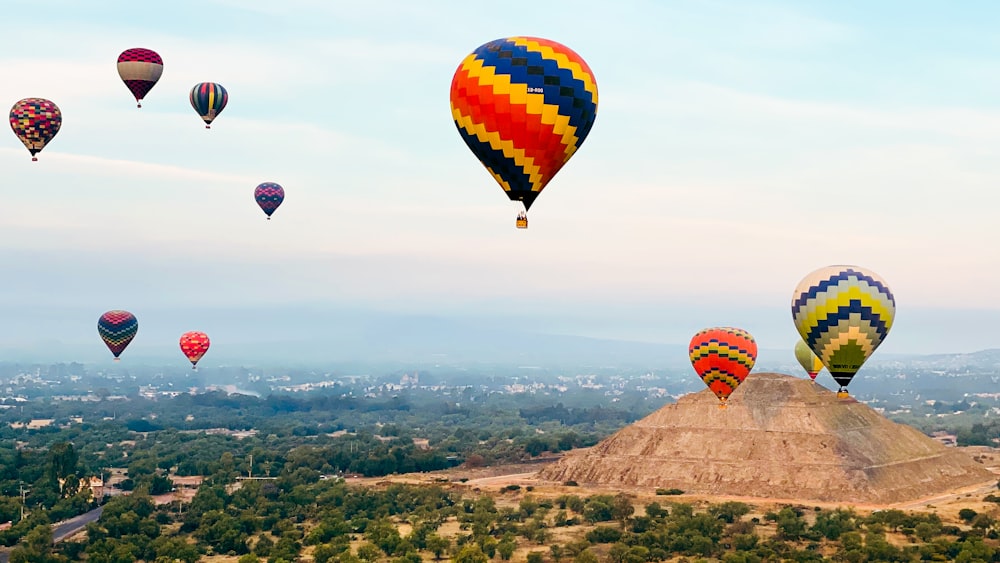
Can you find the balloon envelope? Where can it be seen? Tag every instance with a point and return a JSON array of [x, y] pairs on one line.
[[269, 196], [117, 329], [139, 69], [194, 344], [809, 361], [843, 313], [35, 121], [208, 99], [723, 357], [523, 105]]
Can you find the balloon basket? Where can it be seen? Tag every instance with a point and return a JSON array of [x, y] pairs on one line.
[[117, 359], [138, 105], [722, 405], [843, 394], [208, 127], [34, 159], [522, 223]]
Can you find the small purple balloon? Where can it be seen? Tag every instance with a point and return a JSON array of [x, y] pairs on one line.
[[269, 196]]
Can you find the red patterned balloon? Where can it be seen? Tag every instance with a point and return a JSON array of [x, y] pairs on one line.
[[140, 69], [194, 345], [35, 121], [723, 357]]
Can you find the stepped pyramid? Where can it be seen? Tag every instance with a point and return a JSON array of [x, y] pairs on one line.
[[780, 437]]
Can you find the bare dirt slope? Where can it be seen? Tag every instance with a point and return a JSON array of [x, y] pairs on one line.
[[780, 437]]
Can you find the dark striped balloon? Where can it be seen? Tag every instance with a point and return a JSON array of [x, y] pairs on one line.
[[117, 329], [269, 196], [723, 357], [208, 99]]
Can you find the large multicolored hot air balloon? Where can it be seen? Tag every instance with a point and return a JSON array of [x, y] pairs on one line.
[[117, 329], [139, 69], [523, 105], [208, 99], [843, 313], [194, 345], [723, 357], [35, 121], [269, 196], [809, 361]]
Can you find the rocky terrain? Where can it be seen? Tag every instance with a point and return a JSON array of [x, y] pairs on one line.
[[780, 437]]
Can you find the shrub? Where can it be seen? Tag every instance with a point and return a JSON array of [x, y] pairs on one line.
[[670, 492]]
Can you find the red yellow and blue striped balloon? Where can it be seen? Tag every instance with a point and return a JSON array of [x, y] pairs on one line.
[[723, 357], [843, 313], [117, 329], [208, 99], [523, 105], [35, 121]]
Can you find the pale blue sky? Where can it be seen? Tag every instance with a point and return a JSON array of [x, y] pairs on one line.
[[738, 146]]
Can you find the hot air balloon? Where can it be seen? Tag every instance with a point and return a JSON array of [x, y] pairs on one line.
[[35, 121], [523, 105], [139, 69], [117, 328], [843, 313], [208, 99], [723, 357], [194, 345], [809, 361], [269, 196]]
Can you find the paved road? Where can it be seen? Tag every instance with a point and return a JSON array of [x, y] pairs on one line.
[[64, 529]]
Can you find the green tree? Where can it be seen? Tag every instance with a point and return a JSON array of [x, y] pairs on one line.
[[63, 460], [438, 545], [369, 552], [621, 508], [506, 548], [470, 553], [926, 531], [967, 514]]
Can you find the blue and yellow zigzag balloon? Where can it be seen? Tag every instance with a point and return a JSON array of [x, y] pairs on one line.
[[843, 313]]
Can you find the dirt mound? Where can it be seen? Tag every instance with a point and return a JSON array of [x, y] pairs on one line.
[[780, 437]]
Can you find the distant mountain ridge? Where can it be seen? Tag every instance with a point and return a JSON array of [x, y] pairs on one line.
[[304, 335]]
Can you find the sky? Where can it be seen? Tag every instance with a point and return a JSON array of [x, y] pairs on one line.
[[738, 146]]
